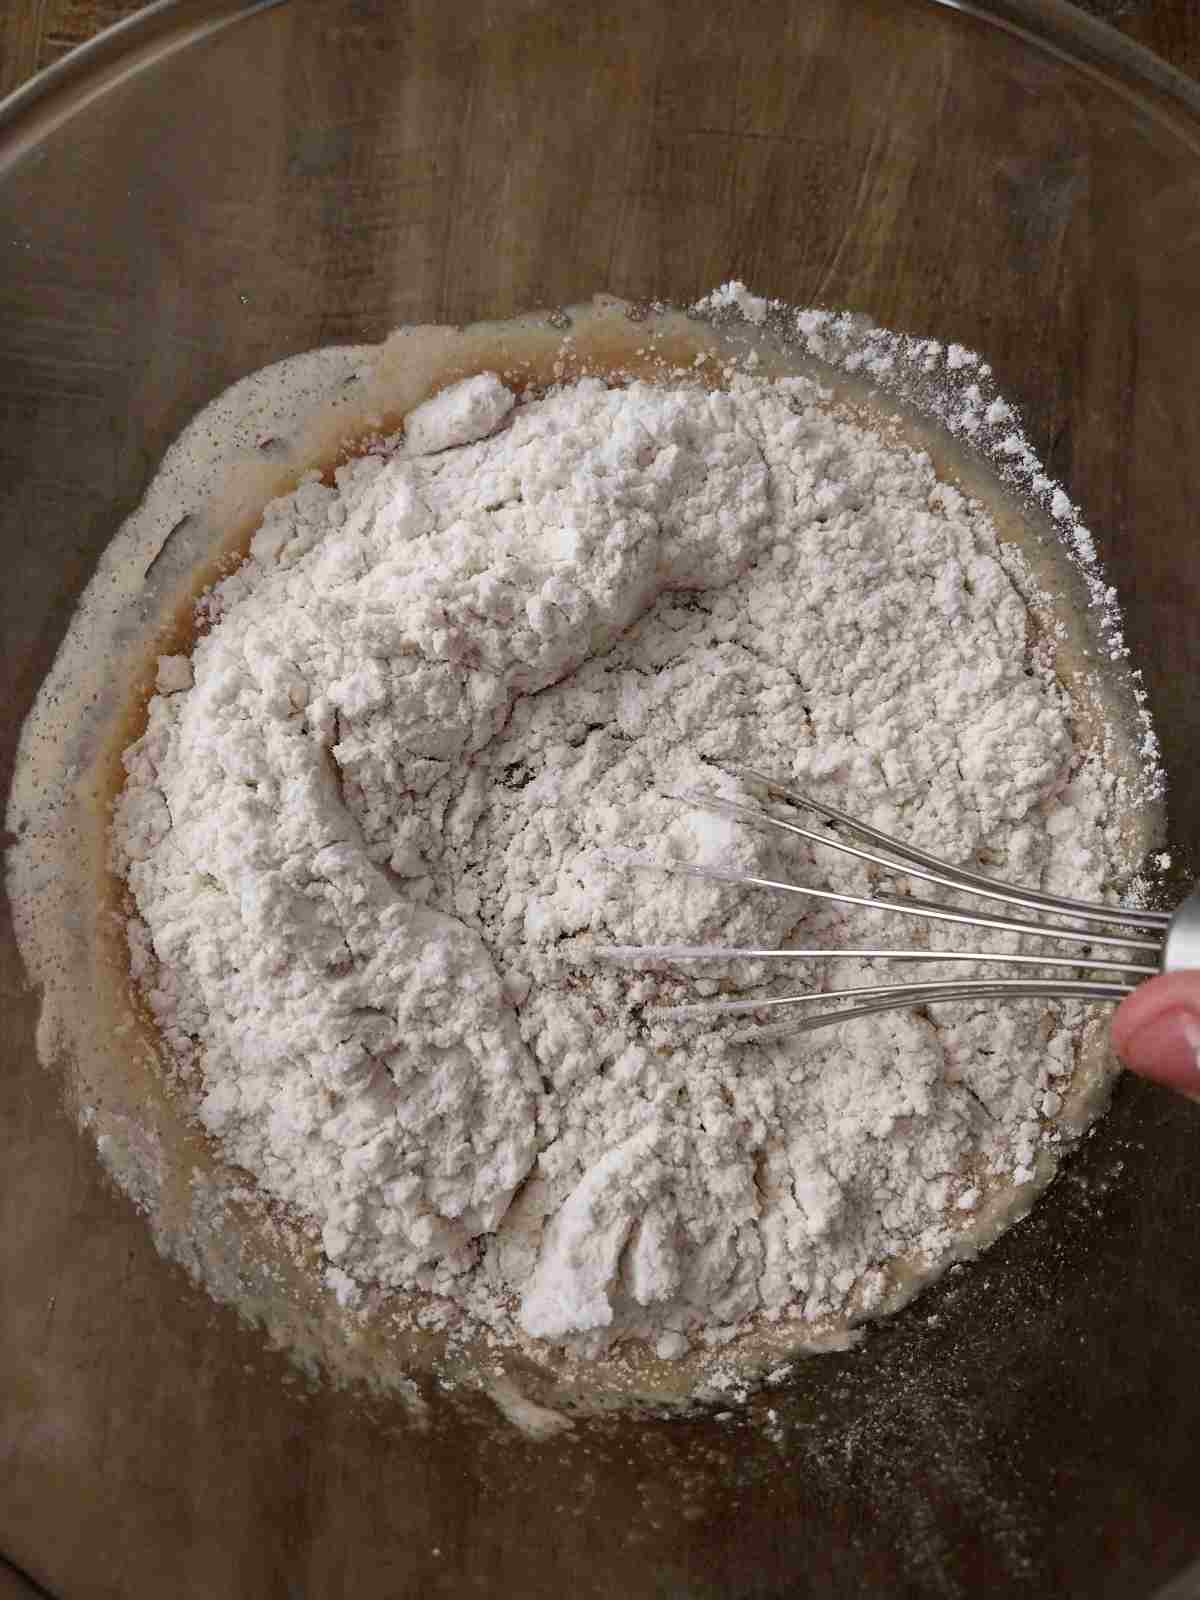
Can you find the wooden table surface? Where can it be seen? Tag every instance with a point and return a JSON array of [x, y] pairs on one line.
[[35, 33]]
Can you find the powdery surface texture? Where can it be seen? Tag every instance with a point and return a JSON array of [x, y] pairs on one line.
[[374, 827]]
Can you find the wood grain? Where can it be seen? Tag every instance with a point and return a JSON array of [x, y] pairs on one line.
[[35, 33]]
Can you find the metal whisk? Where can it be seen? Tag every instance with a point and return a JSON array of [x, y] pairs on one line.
[[1136, 943]]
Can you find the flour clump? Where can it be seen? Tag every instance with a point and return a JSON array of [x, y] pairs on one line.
[[374, 829]]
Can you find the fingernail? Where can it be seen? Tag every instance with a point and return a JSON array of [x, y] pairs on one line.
[[1167, 1048]]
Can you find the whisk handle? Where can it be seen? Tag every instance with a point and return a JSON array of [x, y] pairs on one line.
[[1181, 948]]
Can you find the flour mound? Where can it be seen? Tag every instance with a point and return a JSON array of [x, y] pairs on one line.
[[374, 832]]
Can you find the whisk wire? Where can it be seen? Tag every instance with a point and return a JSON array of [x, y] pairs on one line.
[[950, 989], [1144, 933], [906, 907], [961, 877], [636, 954], [908, 1000]]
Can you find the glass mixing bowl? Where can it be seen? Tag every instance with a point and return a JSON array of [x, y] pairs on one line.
[[215, 186]]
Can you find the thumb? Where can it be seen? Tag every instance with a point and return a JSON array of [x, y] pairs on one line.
[[1156, 1031]]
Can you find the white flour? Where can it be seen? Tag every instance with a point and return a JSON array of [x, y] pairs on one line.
[[370, 832]]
